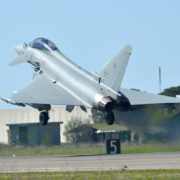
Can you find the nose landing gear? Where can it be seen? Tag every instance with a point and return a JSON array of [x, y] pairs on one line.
[[44, 117]]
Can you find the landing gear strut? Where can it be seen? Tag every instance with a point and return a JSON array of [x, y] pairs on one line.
[[109, 116], [44, 117]]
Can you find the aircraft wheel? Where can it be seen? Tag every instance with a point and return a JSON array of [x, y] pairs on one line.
[[109, 116], [43, 118]]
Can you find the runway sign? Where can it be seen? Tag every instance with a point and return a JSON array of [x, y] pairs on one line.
[[113, 146]]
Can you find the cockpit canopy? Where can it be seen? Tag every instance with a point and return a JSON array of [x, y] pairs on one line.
[[43, 44]]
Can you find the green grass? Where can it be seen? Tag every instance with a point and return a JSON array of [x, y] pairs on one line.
[[96, 175], [64, 149], [151, 147], [85, 149]]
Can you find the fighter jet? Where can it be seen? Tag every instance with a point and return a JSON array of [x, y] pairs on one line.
[[59, 81]]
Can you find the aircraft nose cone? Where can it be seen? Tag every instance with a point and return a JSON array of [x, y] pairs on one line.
[[19, 49]]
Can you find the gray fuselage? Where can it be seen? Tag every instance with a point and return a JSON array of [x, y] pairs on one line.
[[87, 88]]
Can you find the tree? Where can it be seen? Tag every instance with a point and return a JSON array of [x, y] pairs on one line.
[[77, 131], [172, 91], [97, 116]]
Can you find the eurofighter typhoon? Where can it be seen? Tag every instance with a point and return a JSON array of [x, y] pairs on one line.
[[59, 81]]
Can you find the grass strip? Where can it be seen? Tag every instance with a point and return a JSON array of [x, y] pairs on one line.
[[96, 175], [85, 149]]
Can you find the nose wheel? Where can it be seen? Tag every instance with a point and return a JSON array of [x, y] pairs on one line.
[[44, 117], [109, 116]]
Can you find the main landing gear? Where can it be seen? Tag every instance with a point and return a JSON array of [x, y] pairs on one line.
[[44, 117], [109, 116]]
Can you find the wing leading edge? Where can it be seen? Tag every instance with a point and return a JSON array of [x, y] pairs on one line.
[[143, 98], [43, 91]]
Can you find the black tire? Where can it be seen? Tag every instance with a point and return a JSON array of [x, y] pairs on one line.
[[43, 118], [109, 116]]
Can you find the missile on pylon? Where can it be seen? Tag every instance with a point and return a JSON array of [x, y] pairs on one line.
[[10, 101]]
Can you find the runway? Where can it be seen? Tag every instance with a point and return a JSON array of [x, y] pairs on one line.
[[91, 162]]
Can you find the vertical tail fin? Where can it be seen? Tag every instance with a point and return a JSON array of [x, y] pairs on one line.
[[113, 72]]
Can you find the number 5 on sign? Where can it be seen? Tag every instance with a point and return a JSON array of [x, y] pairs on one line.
[[113, 146]]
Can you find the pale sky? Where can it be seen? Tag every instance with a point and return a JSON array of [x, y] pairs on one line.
[[92, 32]]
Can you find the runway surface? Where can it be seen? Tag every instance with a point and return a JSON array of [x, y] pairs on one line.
[[91, 162]]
